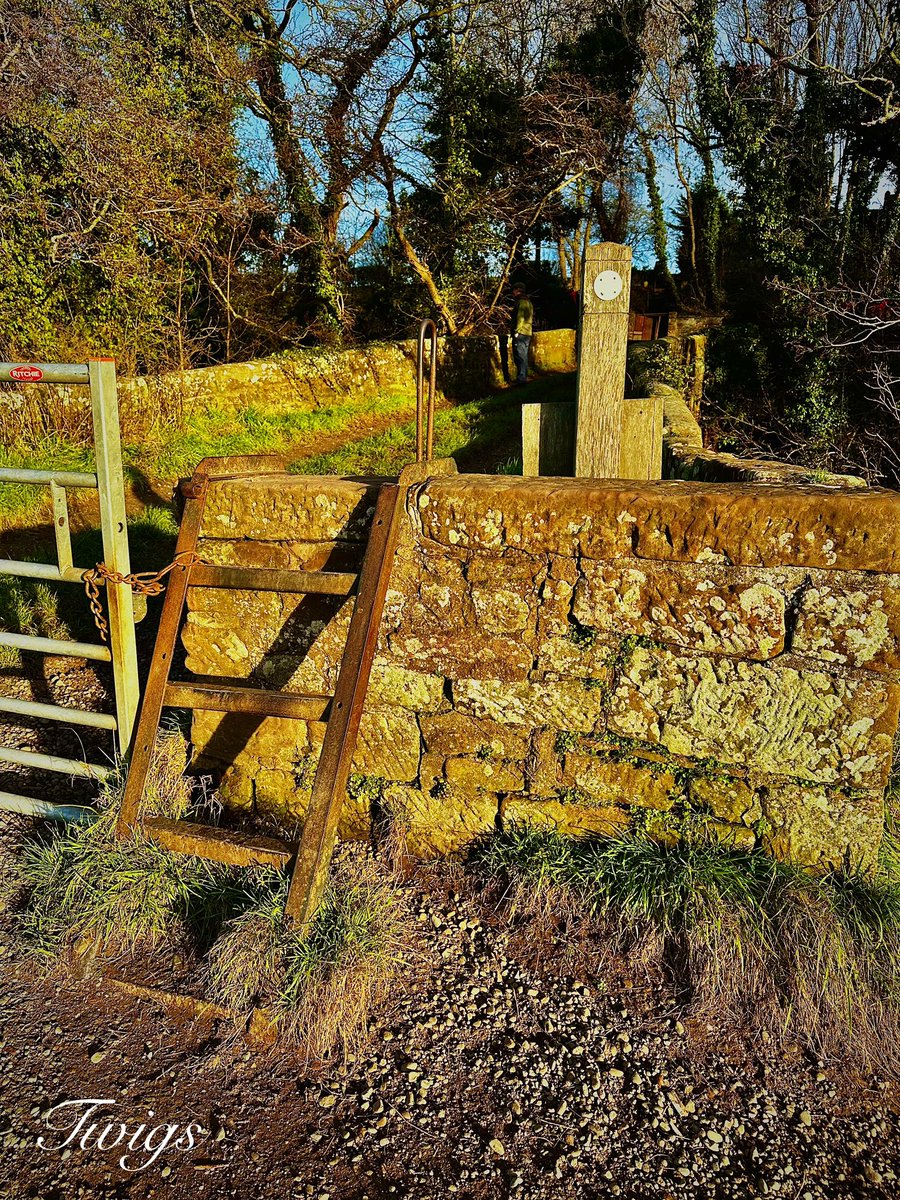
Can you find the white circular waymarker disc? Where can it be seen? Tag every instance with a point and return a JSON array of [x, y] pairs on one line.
[[608, 285]]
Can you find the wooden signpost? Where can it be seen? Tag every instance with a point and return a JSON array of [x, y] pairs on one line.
[[605, 297], [604, 435]]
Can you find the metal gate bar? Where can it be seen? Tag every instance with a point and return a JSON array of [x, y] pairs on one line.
[[53, 762], [56, 712], [24, 641], [108, 481]]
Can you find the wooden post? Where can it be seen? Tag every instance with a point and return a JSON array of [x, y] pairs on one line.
[[641, 451], [605, 297], [548, 437]]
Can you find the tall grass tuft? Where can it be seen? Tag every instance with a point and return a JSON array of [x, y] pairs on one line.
[[320, 981], [81, 882], [741, 937]]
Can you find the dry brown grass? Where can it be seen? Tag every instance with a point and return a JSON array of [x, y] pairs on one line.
[[319, 983], [743, 941]]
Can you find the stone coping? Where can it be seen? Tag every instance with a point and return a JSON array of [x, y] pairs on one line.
[[733, 524]]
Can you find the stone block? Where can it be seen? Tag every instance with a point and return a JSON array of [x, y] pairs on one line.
[[274, 791], [725, 523], [464, 655], [569, 819], [823, 829], [502, 610], [544, 767], [701, 608], [220, 737], [851, 620], [389, 745], [607, 782], [431, 771], [269, 508], [493, 775], [440, 825], [288, 643], [730, 800], [454, 733], [564, 704], [287, 555], [781, 719], [555, 604], [565, 658], [734, 837], [392, 685]]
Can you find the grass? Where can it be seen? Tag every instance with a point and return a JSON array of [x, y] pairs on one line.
[[321, 983], [79, 884], [82, 883], [463, 430], [252, 430], [31, 608], [173, 448], [209, 431], [742, 938]]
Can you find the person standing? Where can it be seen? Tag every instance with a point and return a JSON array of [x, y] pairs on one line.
[[521, 321]]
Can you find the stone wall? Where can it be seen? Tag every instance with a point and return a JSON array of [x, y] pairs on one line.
[[587, 655], [467, 367]]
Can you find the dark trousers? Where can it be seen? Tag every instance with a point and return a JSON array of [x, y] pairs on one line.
[[520, 344]]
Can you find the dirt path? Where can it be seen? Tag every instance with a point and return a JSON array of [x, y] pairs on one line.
[[493, 1071]]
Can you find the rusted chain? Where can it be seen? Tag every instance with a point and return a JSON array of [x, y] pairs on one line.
[[144, 583]]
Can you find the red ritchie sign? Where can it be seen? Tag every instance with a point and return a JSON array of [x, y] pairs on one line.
[[26, 374]]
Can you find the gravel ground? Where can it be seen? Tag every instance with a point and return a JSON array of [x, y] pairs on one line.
[[491, 1071]]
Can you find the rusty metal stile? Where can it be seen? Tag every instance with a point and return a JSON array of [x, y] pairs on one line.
[[342, 712]]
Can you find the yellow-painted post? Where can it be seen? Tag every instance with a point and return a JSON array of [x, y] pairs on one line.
[[605, 298]]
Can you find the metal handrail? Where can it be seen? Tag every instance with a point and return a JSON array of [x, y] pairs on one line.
[[425, 440]]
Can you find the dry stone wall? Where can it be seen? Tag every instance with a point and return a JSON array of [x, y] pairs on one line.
[[591, 656], [309, 378]]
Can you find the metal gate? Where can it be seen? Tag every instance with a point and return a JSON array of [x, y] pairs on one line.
[[108, 481]]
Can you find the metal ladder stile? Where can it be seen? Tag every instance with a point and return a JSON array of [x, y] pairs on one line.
[[342, 711]]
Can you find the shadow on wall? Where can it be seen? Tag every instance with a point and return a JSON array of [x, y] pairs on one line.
[[290, 648]]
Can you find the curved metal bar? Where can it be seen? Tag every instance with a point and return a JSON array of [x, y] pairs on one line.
[[425, 442]]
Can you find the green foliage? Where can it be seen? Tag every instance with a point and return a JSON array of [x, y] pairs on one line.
[[566, 741], [583, 636], [366, 787], [510, 466], [115, 173]]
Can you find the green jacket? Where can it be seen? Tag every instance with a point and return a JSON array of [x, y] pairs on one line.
[[522, 316]]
